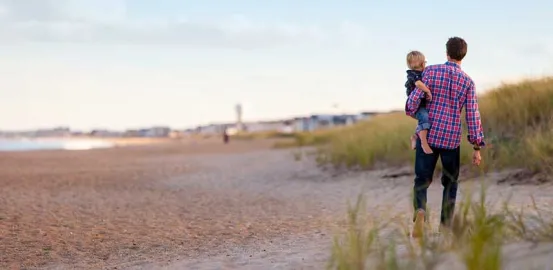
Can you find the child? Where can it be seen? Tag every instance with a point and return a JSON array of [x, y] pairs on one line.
[[416, 63]]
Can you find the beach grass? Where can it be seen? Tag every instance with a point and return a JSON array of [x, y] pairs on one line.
[[518, 123], [246, 136], [517, 119], [475, 240]]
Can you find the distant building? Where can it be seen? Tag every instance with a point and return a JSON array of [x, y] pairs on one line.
[[105, 133], [264, 126], [298, 124], [54, 132], [157, 132], [366, 115], [320, 121], [212, 129], [131, 133]]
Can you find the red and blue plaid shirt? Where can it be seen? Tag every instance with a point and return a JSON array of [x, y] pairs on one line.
[[452, 89]]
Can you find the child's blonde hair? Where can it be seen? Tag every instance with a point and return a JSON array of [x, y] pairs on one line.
[[415, 60]]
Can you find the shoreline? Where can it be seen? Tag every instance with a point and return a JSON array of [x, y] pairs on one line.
[[64, 144], [113, 142]]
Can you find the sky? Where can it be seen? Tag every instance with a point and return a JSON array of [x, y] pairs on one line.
[[121, 64]]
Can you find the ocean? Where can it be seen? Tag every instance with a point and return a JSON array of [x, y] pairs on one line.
[[11, 145]]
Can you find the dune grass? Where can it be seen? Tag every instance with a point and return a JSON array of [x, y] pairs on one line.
[[318, 137], [475, 239], [261, 135], [518, 123]]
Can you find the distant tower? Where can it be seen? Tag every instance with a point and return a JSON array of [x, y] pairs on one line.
[[238, 109]]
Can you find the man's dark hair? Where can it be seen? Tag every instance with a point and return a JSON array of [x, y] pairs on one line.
[[456, 48]]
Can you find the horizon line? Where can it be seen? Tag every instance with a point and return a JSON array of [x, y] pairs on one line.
[[220, 122]]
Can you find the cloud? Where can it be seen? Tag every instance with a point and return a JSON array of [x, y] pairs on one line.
[[106, 21], [523, 50], [538, 49], [61, 10]]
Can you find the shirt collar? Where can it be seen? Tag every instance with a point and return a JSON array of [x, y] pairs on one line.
[[452, 64]]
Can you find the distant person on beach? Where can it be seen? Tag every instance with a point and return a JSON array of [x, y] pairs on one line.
[[452, 89], [416, 63], [225, 136]]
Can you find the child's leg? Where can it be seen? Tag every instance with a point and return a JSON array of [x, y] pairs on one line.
[[423, 134], [414, 141], [424, 126], [413, 137]]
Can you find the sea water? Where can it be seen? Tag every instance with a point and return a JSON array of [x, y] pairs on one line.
[[51, 144]]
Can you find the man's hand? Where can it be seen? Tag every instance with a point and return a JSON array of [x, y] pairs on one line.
[[476, 158]]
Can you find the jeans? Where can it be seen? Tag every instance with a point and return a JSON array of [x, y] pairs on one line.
[[424, 171], [422, 117]]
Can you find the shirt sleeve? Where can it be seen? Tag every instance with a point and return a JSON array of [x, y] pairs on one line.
[[474, 123], [414, 99]]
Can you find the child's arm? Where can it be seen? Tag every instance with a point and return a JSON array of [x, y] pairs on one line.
[[419, 84], [422, 86]]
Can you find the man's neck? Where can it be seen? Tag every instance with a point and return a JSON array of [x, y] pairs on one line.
[[455, 61]]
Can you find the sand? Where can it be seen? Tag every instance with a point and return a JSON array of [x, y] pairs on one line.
[[191, 205]]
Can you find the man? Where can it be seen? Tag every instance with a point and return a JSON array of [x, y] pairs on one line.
[[452, 89]]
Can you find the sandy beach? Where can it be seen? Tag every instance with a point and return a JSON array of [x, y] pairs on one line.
[[191, 205]]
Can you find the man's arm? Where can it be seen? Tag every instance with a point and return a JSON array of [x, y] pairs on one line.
[[472, 114], [415, 97]]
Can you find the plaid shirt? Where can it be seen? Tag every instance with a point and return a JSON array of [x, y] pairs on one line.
[[452, 89]]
